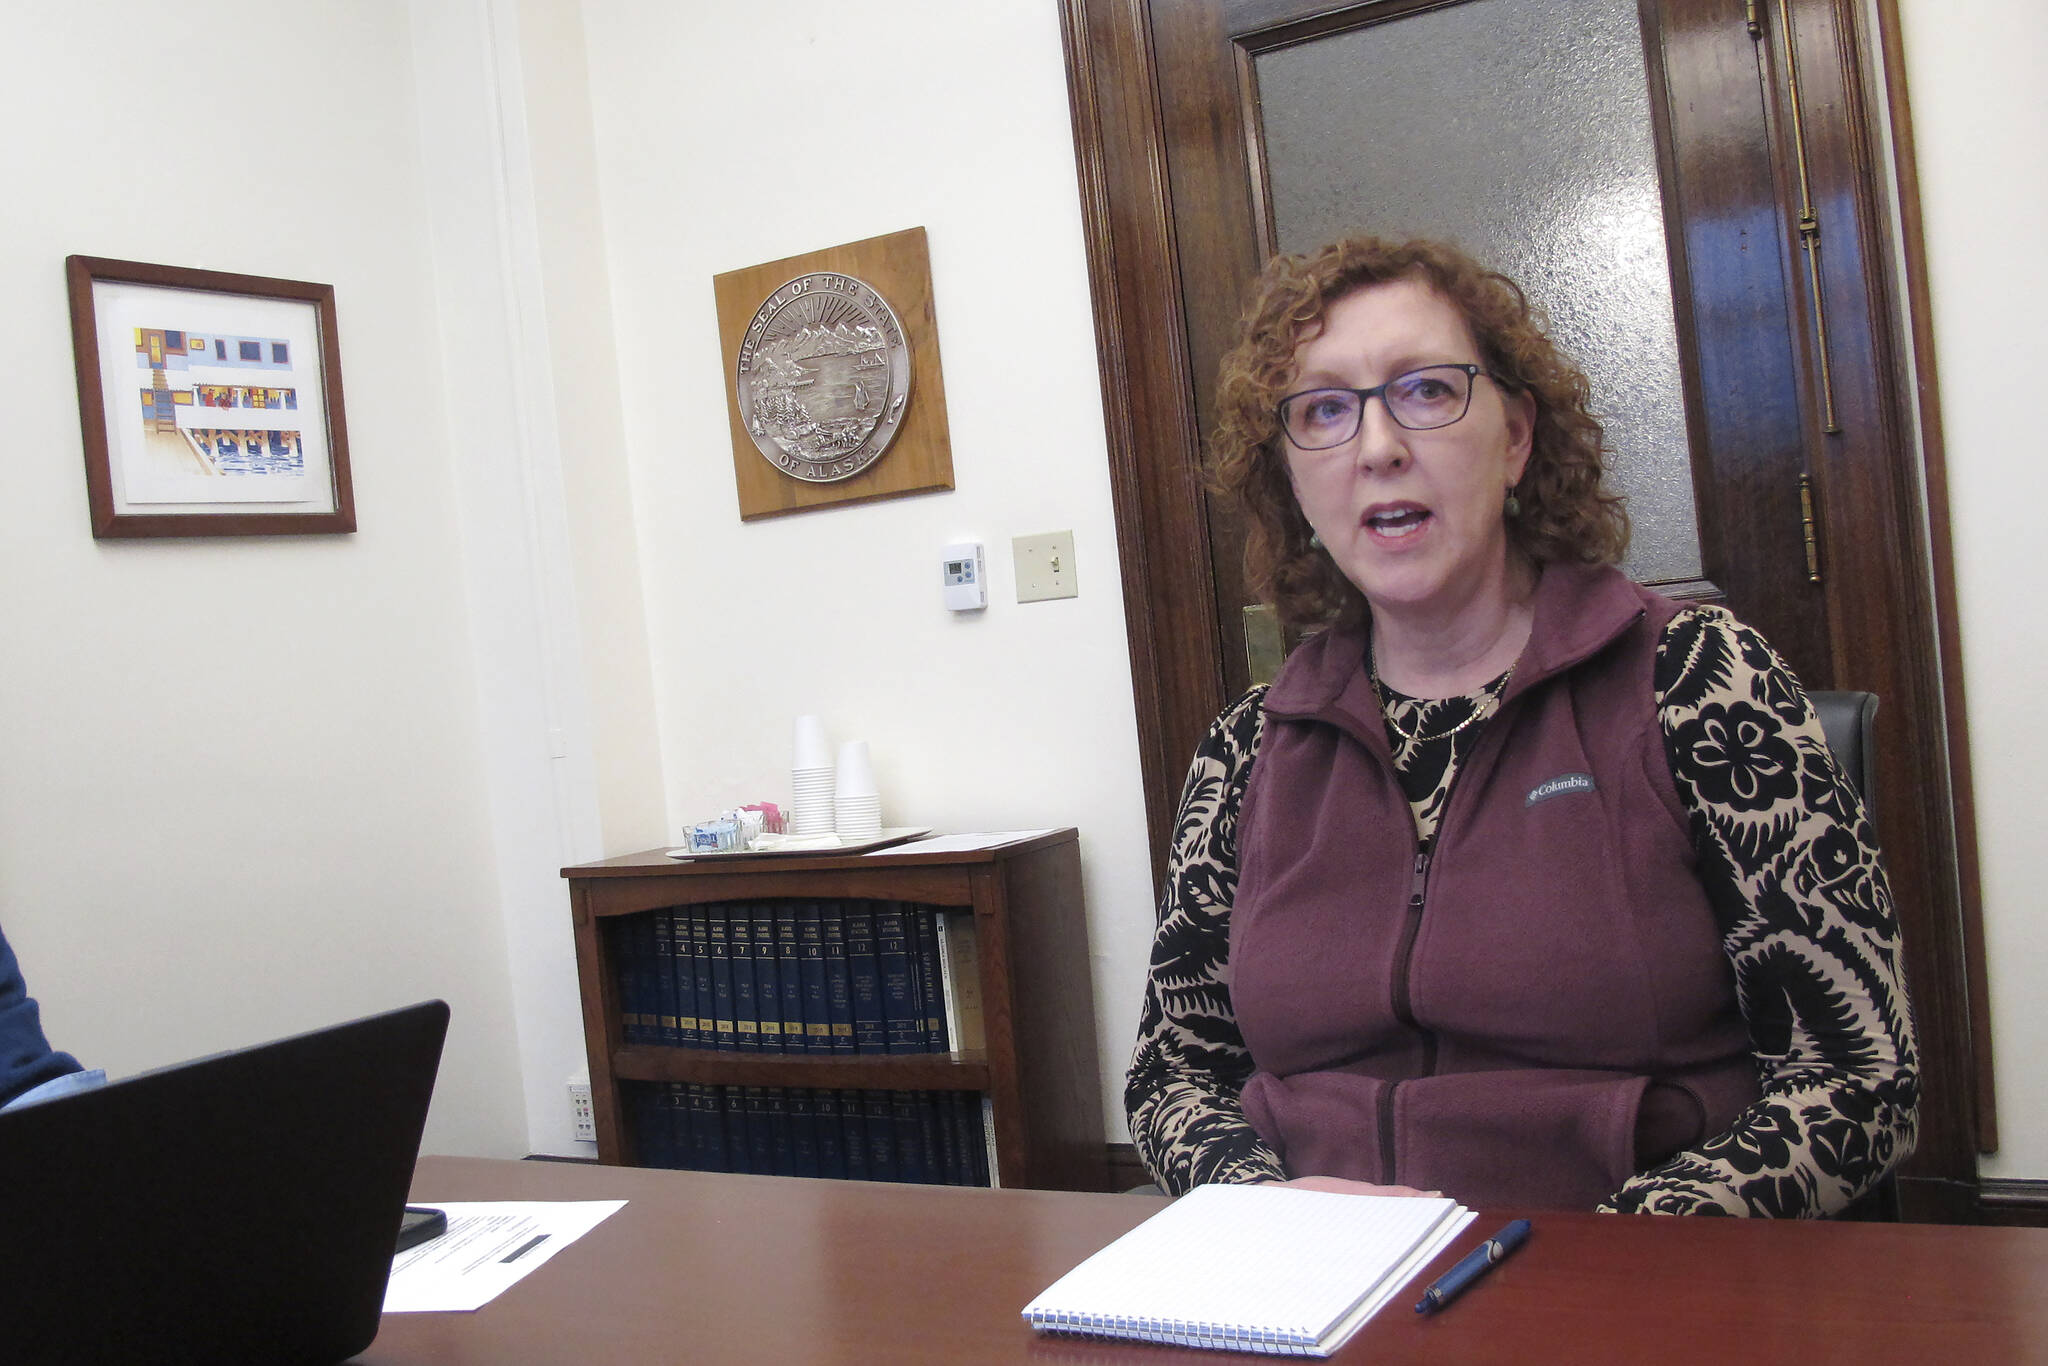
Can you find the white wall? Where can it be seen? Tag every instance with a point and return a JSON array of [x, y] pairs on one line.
[[240, 780], [503, 441], [731, 135], [597, 491], [1980, 113]]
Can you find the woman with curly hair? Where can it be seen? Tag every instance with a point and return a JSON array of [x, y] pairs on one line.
[[1520, 882]]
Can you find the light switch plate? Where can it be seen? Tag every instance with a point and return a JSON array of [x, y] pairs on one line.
[[1045, 566]]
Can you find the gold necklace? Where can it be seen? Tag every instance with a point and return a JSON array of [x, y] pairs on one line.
[[1415, 737]]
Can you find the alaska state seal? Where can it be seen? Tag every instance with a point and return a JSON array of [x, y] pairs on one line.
[[823, 377]]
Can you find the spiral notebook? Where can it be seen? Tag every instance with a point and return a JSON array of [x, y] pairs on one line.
[[1252, 1269]]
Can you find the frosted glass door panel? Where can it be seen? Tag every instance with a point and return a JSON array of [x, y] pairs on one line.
[[1519, 129]]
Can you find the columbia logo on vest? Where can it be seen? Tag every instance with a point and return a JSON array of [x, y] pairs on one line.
[[1558, 786]]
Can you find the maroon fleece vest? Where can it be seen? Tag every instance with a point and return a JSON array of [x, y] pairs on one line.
[[1542, 1007]]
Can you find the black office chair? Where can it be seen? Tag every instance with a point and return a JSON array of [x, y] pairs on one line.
[[1849, 721]]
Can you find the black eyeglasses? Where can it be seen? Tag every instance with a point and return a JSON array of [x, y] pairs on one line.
[[1421, 400]]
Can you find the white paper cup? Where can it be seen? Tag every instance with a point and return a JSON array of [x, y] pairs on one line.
[[856, 776], [811, 748], [857, 821]]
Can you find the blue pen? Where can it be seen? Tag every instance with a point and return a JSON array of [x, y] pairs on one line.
[[1476, 1263]]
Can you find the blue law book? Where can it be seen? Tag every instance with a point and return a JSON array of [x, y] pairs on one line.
[[629, 972], [902, 1010], [880, 1123], [782, 1138], [650, 1103], [810, 933], [658, 1139], [739, 1147], [830, 1131], [831, 1134], [864, 978], [643, 1103], [649, 956], [838, 990], [931, 983], [962, 1110], [730, 1139], [965, 1108], [853, 1131], [665, 1031], [707, 1129], [678, 1125], [940, 1141], [913, 1163], [721, 979], [739, 940], [803, 1132], [700, 966], [767, 977], [760, 1133], [685, 977], [789, 970]]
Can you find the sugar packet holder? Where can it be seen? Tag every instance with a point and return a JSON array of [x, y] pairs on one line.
[[737, 828]]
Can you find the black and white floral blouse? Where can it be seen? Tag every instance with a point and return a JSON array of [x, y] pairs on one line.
[[1789, 862]]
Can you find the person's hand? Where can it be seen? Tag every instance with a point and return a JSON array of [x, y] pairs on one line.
[[1338, 1185]]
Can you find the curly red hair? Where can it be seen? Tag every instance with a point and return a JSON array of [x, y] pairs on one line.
[[1568, 513]]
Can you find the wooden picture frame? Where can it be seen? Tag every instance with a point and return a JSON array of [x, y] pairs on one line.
[[919, 459], [210, 402]]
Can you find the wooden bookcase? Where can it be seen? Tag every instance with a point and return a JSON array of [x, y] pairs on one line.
[[1039, 1067]]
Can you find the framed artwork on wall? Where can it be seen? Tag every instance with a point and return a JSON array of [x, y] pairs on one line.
[[832, 377], [210, 403]]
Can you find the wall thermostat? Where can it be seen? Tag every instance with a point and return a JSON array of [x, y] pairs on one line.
[[966, 589]]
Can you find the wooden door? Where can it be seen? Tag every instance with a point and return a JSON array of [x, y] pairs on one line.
[[1738, 422], [1805, 497]]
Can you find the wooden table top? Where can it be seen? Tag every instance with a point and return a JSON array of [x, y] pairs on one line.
[[711, 1268]]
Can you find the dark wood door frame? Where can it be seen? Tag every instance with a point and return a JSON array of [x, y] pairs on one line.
[[1883, 504], [1148, 394]]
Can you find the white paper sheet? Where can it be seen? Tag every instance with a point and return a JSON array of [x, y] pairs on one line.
[[953, 844], [489, 1246]]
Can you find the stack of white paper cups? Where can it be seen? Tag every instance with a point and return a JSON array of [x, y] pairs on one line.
[[811, 779], [856, 804]]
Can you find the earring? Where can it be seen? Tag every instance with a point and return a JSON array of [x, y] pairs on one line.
[[1511, 506], [1315, 542]]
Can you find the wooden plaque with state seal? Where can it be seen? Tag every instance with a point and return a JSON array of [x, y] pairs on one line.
[[832, 376]]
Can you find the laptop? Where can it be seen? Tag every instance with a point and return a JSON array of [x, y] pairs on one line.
[[240, 1208]]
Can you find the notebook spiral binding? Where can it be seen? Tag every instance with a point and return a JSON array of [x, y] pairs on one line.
[[1181, 1332]]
